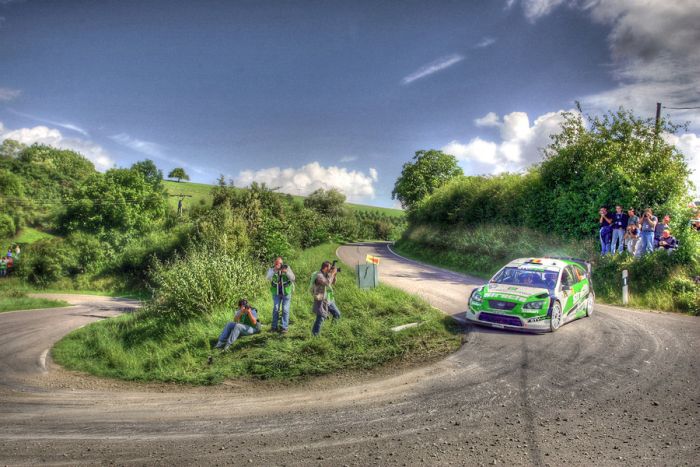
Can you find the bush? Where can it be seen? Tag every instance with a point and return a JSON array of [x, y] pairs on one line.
[[199, 282], [7, 226], [47, 261]]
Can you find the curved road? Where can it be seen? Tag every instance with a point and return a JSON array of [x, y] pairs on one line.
[[621, 388]]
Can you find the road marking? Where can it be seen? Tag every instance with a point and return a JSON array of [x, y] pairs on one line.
[[42, 360]]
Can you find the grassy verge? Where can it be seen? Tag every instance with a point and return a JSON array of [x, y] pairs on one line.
[[144, 347], [656, 281], [13, 300]]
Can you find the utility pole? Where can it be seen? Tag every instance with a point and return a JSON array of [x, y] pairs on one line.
[[658, 124]]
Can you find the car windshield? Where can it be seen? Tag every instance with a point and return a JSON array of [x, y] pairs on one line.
[[526, 278]]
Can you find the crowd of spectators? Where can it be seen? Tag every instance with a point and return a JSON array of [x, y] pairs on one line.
[[7, 262], [637, 234]]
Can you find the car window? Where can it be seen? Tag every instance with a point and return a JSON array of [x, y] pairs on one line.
[[568, 277]]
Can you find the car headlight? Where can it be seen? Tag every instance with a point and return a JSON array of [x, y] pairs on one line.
[[476, 297], [534, 305]]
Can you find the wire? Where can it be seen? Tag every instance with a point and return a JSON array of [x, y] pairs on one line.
[[681, 108]]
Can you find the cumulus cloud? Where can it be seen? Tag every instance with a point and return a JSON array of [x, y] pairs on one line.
[[53, 137], [7, 94], [520, 143], [432, 68], [689, 145], [356, 185]]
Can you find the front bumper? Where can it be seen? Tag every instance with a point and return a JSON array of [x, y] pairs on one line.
[[499, 320]]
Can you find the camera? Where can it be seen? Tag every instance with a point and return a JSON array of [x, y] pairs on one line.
[[333, 265], [284, 267]]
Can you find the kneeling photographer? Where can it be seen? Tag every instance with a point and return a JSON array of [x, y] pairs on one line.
[[322, 290]]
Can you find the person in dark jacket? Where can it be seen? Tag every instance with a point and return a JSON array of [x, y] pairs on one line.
[[619, 226], [667, 241], [605, 233]]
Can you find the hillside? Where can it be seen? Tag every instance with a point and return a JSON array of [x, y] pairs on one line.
[[201, 195]]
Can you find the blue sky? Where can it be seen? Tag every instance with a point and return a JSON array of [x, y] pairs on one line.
[[313, 94]]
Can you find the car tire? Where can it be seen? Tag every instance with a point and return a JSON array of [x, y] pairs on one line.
[[556, 319], [590, 305]]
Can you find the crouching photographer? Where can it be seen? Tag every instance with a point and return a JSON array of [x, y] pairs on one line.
[[321, 286]]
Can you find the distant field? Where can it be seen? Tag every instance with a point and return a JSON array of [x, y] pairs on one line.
[[201, 193], [26, 236]]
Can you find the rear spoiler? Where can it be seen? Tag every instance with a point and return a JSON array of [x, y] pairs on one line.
[[581, 262]]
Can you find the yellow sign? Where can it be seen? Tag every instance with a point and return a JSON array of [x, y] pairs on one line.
[[372, 259]]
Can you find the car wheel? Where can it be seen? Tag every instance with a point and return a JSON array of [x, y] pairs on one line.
[[555, 319], [590, 305]]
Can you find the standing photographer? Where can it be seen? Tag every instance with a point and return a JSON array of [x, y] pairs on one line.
[[648, 223], [605, 232], [281, 280], [322, 291]]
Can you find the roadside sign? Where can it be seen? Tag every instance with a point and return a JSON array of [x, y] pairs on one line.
[[372, 259]]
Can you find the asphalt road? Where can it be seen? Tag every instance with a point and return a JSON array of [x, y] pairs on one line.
[[619, 388]]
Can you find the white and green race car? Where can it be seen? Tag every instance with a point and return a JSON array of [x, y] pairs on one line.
[[534, 294]]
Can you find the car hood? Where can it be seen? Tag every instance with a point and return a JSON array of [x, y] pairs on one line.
[[513, 292]]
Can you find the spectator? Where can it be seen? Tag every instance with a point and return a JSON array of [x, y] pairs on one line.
[[632, 217], [667, 241], [659, 229], [619, 226], [245, 322], [9, 253], [605, 233], [322, 291], [648, 224], [281, 279], [631, 238], [17, 250], [3, 267]]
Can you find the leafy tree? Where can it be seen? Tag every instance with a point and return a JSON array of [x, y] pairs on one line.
[[429, 171], [117, 204], [329, 203], [178, 173], [151, 173], [11, 148]]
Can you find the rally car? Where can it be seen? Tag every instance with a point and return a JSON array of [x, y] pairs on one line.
[[534, 294]]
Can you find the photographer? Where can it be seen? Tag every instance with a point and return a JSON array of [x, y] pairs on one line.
[[648, 223], [281, 280], [245, 322], [605, 233], [322, 291]]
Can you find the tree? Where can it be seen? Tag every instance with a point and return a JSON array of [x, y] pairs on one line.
[[429, 171], [329, 203], [178, 173], [11, 148], [151, 173]]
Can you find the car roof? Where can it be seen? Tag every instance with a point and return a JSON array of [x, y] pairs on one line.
[[538, 264]]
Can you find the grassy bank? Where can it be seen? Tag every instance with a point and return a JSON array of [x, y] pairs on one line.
[[144, 347], [14, 300], [656, 281]]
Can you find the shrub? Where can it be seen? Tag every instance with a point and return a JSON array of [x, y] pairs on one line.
[[7, 226], [201, 281], [47, 261]]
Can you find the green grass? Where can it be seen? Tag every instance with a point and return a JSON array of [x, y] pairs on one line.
[[144, 347], [13, 300], [656, 281], [201, 195], [25, 236]]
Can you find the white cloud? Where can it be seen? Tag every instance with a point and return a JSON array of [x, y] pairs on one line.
[[356, 185], [490, 119], [7, 94], [66, 125], [434, 67], [346, 159], [485, 42], [53, 137], [689, 145], [520, 143], [535, 9]]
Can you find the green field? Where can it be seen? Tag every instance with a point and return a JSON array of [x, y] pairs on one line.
[[148, 347], [26, 236], [201, 196]]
